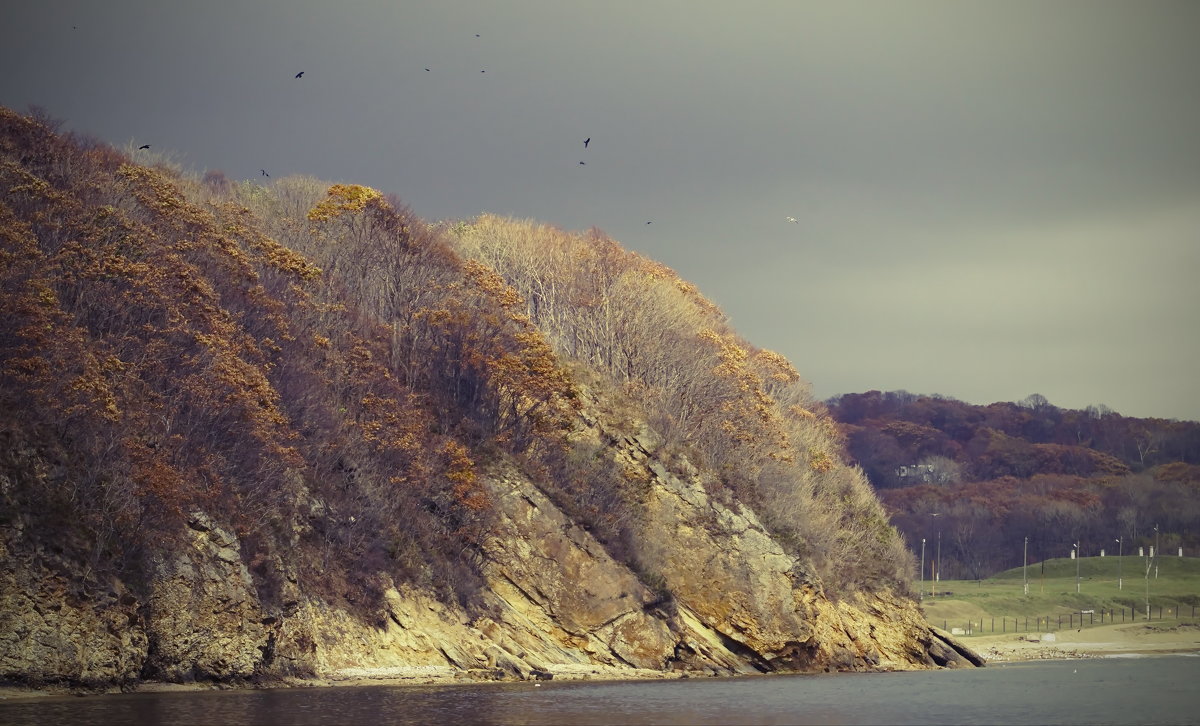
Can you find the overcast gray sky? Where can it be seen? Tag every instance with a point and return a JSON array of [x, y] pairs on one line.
[[993, 199]]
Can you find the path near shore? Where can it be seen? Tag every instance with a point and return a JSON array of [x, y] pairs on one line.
[[1097, 641]]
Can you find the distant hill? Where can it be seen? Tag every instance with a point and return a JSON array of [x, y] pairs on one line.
[[982, 478], [281, 427]]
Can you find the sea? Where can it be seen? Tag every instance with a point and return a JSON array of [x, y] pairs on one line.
[[1159, 689]]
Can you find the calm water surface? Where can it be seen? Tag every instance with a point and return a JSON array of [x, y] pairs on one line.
[[1151, 690]]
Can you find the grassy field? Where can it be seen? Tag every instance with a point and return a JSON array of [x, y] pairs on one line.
[[1174, 593]]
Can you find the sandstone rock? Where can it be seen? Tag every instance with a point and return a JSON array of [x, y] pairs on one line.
[[953, 649], [729, 600], [205, 621], [49, 635], [559, 585]]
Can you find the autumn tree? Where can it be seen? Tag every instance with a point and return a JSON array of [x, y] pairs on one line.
[[743, 411]]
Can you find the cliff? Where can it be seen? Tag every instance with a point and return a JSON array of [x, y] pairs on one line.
[[555, 605], [256, 434]]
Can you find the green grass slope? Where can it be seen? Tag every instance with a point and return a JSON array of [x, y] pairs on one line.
[[1171, 587]]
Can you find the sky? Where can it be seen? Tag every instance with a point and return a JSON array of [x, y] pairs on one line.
[[991, 199]]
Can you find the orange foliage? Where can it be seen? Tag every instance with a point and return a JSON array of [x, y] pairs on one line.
[[331, 366], [343, 199]]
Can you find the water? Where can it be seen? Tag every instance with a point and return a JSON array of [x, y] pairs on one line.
[[1150, 690]]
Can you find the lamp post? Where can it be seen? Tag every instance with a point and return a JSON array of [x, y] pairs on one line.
[[1078, 556], [937, 568], [921, 592], [1156, 552], [1148, 588], [1025, 567], [1120, 551]]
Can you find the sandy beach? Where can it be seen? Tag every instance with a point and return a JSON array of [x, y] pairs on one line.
[[1094, 642]]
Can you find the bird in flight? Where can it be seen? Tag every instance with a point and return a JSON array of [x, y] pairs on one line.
[[793, 219], [426, 69], [144, 146], [300, 74], [582, 164], [264, 172], [647, 223], [586, 141]]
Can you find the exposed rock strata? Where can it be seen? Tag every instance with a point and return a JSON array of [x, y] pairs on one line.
[[204, 621], [722, 565], [50, 633], [558, 604], [173, 357]]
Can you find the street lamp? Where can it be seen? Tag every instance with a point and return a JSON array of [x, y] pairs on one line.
[[1025, 567], [937, 568], [1120, 551], [1156, 552], [1078, 556], [921, 592], [1148, 561]]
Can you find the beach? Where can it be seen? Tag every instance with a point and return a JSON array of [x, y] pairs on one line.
[[1121, 639]]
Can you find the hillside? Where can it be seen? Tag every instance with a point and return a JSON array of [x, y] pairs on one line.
[[1120, 588], [261, 431], [976, 481]]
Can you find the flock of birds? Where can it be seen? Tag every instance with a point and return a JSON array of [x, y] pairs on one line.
[[588, 140]]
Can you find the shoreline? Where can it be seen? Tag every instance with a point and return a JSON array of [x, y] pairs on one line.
[[358, 677], [1105, 641], [1101, 641]]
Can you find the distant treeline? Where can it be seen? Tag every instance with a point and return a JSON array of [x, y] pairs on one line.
[[983, 478]]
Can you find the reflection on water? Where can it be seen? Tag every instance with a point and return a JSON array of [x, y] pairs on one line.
[[1096, 691]]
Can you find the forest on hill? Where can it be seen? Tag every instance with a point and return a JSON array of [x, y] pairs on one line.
[[975, 481], [337, 381]]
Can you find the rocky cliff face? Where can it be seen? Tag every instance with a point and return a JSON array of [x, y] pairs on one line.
[[292, 431], [731, 601]]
